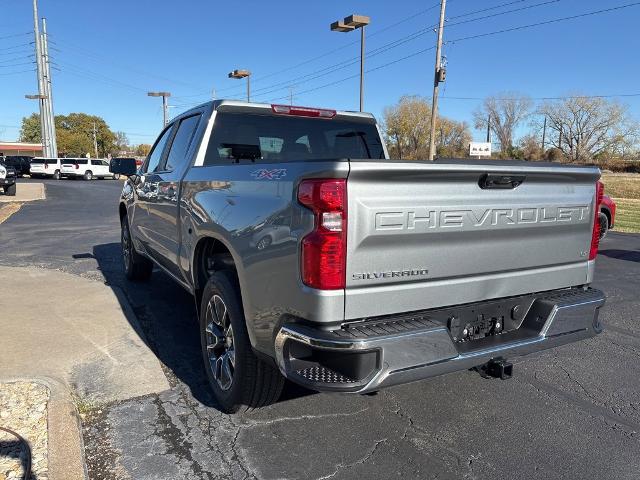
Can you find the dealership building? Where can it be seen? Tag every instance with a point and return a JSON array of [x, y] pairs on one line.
[[20, 148]]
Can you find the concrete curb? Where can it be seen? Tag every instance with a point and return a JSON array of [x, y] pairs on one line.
[[65, 444], [26, 192]]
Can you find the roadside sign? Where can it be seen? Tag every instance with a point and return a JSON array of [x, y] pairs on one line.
[[480, 149]]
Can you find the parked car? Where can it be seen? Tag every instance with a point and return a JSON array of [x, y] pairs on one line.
[[86, 168], [7, 178], [45, 167], [607, 215], [390, 272], [20, 163]]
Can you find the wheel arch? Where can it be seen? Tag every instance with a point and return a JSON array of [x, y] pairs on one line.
[[211, 254]]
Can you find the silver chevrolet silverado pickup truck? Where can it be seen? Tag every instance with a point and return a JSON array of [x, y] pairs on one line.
[[314, 257]]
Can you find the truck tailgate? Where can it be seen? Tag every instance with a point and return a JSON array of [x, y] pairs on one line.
[[426, 235]]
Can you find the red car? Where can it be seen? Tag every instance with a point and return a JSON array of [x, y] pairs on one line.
[[607, 214]]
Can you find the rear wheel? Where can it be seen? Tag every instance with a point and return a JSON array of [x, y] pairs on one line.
[[604, 224], [88, 175], [10, 190], [240, 381], [136, 267]]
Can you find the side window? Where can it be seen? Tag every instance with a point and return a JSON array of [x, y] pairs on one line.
[[96, 162], [181, 143], [156, 154]]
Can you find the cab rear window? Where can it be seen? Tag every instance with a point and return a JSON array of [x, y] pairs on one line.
[[271, 138]]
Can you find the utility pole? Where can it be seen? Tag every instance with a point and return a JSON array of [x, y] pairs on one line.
[[291, 95], [489, 129], [95, 140], [44, 127], [544, 132], [438, 77], [53, 144]]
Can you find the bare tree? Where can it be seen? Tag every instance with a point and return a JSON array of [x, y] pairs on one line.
[[584, 128], [452, 138], [506, 111], [406, 128]]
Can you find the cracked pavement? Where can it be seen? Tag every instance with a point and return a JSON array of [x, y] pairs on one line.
[[572, 412]]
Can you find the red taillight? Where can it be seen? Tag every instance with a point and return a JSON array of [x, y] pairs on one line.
[[303, 111], [595, 235], [46, 165], [324, 250], [77, 167]]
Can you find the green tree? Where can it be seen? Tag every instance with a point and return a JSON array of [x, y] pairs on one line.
[[30, 131], [74, 134]]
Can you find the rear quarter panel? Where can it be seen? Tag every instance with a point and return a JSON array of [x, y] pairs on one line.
[[237, 204]]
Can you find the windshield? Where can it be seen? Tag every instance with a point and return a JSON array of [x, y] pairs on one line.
[[273, 138]]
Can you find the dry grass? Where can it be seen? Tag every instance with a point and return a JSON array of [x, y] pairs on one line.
[[8, 209], [624, 188]]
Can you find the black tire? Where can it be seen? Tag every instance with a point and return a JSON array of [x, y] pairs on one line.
[[10, 191], [56, 175], [88, 175], [136, 267], [254, 383], [116, 176], [604, 224]]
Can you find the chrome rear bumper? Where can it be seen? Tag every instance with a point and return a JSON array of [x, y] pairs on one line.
[[413, 347]]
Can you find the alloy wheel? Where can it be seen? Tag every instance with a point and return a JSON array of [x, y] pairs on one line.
[[126, 245], [219, 341]]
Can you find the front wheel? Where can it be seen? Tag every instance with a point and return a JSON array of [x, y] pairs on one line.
[[56, 175], [604, 224], [88, 175], [240, 381], [136, 267]]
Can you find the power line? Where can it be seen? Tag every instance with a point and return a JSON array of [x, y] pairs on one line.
[[16, 46], [103, 59], [547, 22], [16, 73], [521, 27], [15, 35], [388, 46], [16, 64], [562, 97]]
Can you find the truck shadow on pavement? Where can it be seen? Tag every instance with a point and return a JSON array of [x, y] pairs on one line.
[[166, 313], [628, 255]]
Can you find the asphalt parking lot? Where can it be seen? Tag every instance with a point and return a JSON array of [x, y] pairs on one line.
[[573, 412]]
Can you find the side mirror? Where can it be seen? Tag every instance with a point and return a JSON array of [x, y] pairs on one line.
[[123, 166]]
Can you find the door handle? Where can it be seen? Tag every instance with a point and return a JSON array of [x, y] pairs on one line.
[[500, 181]]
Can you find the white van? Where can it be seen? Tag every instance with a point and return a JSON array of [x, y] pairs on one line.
[[87, 168], [45, 167]]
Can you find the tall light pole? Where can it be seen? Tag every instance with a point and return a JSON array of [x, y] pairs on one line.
[[238, 74], [438, 77], [353, 22], [165, 106]]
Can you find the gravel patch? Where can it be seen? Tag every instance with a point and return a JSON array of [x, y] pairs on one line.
[[23, 409]]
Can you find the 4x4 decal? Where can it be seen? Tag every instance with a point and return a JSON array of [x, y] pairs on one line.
[[264, 174]]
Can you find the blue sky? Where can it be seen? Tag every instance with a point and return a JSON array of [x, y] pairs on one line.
[[108, 54]]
